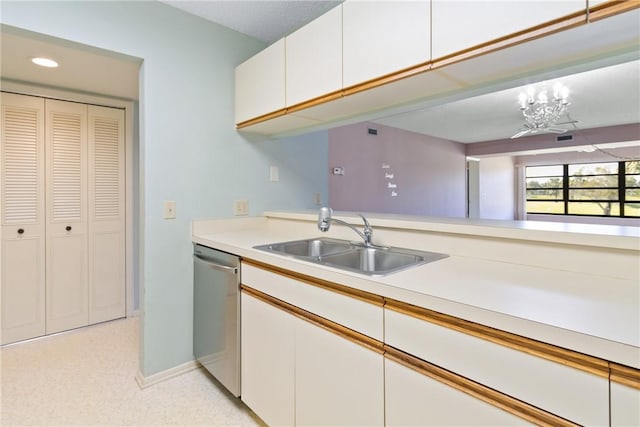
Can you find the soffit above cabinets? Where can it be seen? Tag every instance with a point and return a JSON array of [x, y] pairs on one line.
[[81, 68]]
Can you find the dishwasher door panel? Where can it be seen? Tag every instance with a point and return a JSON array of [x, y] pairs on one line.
[[216, 326]]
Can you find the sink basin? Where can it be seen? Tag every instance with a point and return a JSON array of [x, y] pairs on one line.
[[309, 247], [345, 255]]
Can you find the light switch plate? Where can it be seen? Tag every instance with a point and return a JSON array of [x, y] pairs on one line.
[[169, 211], [241, 207]]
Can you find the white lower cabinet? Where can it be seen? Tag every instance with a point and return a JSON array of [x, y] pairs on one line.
[[295, 372], [267, 361], [571, 393], [338, 382], [306, 369], [413, 399], [625, 405]]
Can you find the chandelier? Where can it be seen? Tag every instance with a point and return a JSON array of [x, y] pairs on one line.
[[541, 113]]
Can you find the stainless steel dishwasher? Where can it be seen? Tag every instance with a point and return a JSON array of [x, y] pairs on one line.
[[216, 314]]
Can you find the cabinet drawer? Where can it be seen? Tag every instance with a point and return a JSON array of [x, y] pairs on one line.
[[568, 392], [349, 311]]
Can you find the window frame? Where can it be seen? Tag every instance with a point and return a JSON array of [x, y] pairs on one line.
[[621, 190]]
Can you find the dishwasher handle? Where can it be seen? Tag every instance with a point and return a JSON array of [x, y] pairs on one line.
[[215, 266]]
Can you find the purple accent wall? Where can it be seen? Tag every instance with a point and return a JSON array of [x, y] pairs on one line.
[[429, 174]]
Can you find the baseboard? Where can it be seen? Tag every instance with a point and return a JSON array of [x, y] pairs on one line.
[[145, 382]]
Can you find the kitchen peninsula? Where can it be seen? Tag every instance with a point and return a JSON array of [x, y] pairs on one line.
[[540, 318]]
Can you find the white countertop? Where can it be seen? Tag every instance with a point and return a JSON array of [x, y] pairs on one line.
[[596, 315]]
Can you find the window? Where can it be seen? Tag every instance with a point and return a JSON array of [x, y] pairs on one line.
[[594, 189]]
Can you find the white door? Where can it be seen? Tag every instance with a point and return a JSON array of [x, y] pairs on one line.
[[66, 196], [23, 220], [106, 214]]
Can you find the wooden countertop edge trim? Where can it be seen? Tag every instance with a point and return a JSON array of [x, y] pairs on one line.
[[593, 365], [451, 379], [625, 375], [611, 8], [328, 325], [263, 118], [477, 390], [324, 284], [550, 352]]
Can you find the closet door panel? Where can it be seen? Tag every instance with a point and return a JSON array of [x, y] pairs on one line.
[[66, 195], [107, 289], [23, 220]]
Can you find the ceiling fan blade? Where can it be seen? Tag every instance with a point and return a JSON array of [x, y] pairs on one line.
[[555, 130], [521, 133]]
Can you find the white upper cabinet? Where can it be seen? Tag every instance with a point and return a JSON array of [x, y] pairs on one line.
[[459, 25], [314, 58], [381, 37], [260, 83]]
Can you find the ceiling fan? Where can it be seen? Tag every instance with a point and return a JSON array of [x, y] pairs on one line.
[[541, 114], [532, 129]]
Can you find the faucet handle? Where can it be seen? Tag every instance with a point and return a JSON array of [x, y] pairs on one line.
[[366, 222]]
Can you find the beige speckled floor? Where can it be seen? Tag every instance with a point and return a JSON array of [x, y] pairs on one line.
[[86, 378]]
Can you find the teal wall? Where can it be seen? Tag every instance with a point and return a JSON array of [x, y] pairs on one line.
[[189, 149]]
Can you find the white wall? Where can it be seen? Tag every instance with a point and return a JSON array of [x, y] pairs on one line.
[[189, 149], [497, 188]]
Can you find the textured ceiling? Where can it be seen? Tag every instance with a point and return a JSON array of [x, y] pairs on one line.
[[605, 96], [264, 20]]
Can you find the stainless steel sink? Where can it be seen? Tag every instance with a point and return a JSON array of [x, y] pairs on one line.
[[308, 248], [345, 255]]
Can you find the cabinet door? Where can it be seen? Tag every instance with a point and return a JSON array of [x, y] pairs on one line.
[[314, 58], [568, 392], [267, 361], [413, 399], [66, 160], [459, 25], [23, 219], [106, 214], [625, 405], [381, 37], [260, 83], [337, 381]]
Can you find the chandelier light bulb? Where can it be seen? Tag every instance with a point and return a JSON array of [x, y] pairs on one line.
[[541, 113], [44, 62], [542, 97], [522, 99]]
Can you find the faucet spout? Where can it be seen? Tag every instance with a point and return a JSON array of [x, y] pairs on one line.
[[325, 218]]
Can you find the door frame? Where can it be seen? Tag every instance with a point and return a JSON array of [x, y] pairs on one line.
[[132, 258]]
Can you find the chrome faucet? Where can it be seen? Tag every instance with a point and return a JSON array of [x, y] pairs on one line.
[[324, 218]]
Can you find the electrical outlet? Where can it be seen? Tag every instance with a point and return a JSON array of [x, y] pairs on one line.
[[241, 207], [169, 211]]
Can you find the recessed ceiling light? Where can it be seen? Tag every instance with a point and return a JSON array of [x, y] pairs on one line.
[[45, 62]]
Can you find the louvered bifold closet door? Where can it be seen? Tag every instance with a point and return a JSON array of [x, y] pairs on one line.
[[66, 195], [23, 219], [106, 214]]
